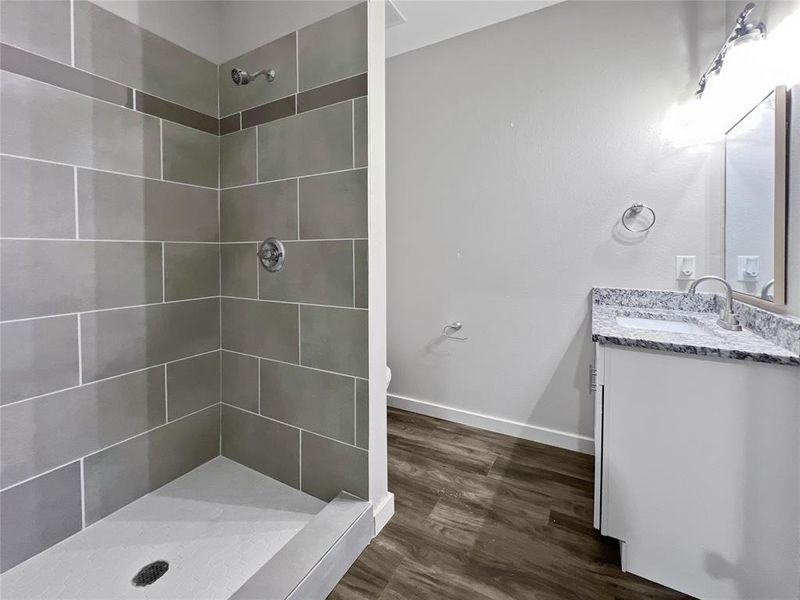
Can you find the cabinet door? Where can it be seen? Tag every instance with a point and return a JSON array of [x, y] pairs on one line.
[[701, 472]]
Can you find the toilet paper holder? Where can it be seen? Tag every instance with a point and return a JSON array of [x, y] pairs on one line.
[[448, 330]]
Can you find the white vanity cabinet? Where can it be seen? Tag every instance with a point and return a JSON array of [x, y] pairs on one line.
[[698, 471]]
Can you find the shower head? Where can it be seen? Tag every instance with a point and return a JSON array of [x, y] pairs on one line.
[[242, 77]]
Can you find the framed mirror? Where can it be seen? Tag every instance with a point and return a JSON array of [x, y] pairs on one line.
[[755, 202]]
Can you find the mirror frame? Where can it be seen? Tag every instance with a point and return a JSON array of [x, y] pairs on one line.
[[780, 198]]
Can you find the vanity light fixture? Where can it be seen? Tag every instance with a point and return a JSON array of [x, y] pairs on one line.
[[742, 31]]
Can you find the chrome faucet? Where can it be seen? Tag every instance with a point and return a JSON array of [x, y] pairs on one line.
[[727, 318]]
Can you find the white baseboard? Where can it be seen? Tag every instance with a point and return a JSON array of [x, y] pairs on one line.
[[383, 511], [544, 435]]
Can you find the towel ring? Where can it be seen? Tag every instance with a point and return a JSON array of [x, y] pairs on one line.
[[634, 210]]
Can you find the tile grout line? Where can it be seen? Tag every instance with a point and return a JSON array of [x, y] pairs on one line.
[[258, 366], [240, 242], [355, 412], [299, 338], [111, 377], [291, 364], [161, 144], [353, 123], [95, 169], [80, 356], [71, 36], [298, 208], [308, 431], [111, 241], [257, 161], [300, 460], [151, 304], [244, 185], [83, 495], [258, 274], [354, 274], [343, 307], [140, 434], [166, 396], [75, 190], [163, 274]]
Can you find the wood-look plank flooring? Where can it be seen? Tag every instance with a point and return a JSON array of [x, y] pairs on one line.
[[482, 516]]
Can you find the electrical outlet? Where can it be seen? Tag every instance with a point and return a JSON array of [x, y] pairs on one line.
[[748, 268], [684, 268]]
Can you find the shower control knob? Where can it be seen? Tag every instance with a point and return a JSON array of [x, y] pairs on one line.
[[272, 253]]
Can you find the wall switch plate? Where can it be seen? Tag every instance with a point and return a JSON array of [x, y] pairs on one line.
[[684, 268], [747, 268]]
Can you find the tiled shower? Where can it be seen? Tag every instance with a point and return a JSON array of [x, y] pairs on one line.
[[141, 337]]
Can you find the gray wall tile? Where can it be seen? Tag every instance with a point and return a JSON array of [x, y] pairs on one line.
[[361, 263], [39, 27], [153, 335], [191, 271], [192, 384], [360, 132], [36, 67], [39, 513], [268, 447], [37, 356], [313, 400], [190, 156], [313, 142], [260, 328], [238, 158], [334, 205], [38, 199], [46, 122], [119, 207], [334, 339], [240, 268], [119, 475], [362, 413], [52, 277], [331, 467], [108, 45], [256, 212], [240, 380], [333, 48], [314, 272], [279, 55], [43, 433]]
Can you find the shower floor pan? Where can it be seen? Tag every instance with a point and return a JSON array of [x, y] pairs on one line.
[[224, 530]]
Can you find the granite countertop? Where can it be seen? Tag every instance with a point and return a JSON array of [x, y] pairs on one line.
[[766, 337]]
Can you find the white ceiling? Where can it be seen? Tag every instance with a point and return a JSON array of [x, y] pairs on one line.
[[223, 29], [431, 21]]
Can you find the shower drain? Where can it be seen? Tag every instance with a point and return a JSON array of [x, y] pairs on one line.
[[150, 573]]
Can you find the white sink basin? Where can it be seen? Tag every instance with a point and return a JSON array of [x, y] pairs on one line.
[[661, 325]]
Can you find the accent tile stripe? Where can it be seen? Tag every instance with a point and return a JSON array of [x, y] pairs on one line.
[[339, 91], [229, 124], [176, 113], [30, 65], [285, 107]]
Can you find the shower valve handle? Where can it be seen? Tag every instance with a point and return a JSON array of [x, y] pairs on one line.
[[272, 254]]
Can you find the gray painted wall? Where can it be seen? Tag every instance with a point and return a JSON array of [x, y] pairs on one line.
[[511, 153]]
